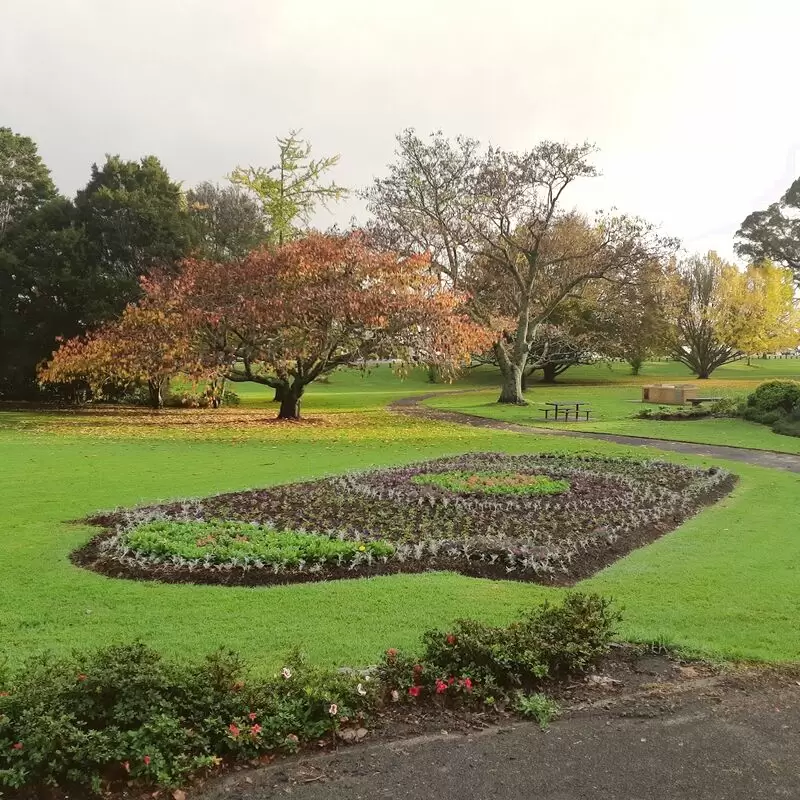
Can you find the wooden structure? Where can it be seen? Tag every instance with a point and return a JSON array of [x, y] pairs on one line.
[[669, 394]]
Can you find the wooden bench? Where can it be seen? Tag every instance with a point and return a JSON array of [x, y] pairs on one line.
[[696, 401]]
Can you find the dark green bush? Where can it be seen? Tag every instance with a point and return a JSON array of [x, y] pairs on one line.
[[788, 424], [775, 396]]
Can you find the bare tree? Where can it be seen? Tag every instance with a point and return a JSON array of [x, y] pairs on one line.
[[500, 224]]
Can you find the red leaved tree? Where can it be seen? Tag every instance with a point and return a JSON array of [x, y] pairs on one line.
[[286, 317], [147, 346]]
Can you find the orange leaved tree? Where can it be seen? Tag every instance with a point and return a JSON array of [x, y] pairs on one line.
[[285, 317], [146, 346]]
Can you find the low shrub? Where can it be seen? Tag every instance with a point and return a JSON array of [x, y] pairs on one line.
[[123, 715], [781, 396], [665, 413], [200, 399], [548, 642], [728, 407], [788, 424]]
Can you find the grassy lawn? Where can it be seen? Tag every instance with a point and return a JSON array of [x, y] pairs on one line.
[[724, 584], [615, 397]]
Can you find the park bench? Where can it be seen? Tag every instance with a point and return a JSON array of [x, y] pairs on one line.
[[696, 401]]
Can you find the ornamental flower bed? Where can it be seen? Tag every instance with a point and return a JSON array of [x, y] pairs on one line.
[[545, 518]]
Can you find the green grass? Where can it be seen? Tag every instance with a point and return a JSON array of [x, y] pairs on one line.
[[725, 584], [613, 409]]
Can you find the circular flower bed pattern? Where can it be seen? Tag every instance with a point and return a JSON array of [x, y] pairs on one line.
[[545, 518]]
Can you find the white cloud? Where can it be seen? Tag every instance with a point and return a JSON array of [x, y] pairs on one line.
[[692, 103]]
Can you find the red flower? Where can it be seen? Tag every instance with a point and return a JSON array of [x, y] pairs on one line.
[[255, 730], [252, 715], [451, 639], [414, 690], [451, 680], [234, 729], [126, 765], [146, 760], [467, 684], [441, 687], [5, 694], [17, 746], [418, 669]]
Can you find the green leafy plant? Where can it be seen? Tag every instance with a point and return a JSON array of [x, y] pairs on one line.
[[220, 542], [492, 482], [538, 706]]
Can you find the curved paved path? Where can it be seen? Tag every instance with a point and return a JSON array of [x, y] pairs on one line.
[[761, 458]]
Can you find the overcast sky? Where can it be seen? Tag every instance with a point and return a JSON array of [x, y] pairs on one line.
[[693, 103]]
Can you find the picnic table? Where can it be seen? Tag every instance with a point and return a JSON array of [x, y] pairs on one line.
[[566, 408]]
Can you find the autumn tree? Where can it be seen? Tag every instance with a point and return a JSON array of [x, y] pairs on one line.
[[291, 190], [758, 311], [501, 215], [285, 317], [146, 346], [774, 233]]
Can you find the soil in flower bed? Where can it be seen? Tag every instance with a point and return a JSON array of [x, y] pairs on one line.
[[416, 518]]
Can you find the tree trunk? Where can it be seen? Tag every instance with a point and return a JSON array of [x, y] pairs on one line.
[[154, 390], [549, 373], [290, 402], [703, 374], [511, 391], [280, 392]]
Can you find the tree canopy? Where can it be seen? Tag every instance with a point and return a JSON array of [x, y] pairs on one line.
[[774, 233], [291, 190], [25, 182]]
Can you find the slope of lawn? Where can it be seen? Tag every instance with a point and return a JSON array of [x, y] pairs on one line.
[[615, 402], [724, 584]]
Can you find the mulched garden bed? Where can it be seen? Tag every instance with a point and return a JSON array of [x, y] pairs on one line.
[[498, 525]]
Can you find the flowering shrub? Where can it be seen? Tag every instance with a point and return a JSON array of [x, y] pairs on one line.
[[529, 517], [124, 713], [478, 660]]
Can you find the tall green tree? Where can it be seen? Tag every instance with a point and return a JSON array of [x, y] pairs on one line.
[[291, 190], [49, 288], [25, 182], [136, 220], [774, 233], [227, 222]]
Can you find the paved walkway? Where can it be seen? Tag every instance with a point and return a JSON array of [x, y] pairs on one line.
[[762, 458], [711, 743]]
